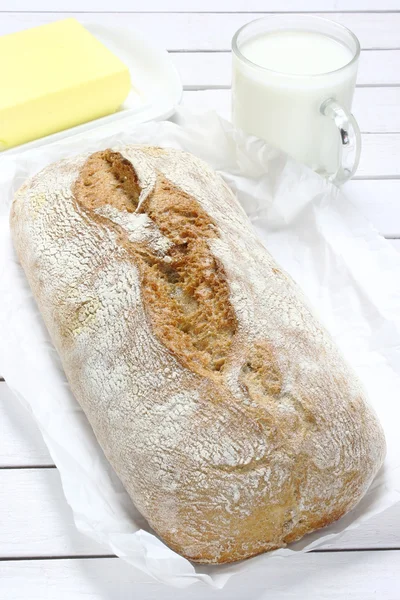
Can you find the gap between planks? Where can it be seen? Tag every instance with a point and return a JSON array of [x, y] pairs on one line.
[[24, 467], [102, 556], [205, 87], [202, 12], [228, 50], [210, 6], [60, 557]]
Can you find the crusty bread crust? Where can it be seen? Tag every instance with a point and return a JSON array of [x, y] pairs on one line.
[[223, 405]]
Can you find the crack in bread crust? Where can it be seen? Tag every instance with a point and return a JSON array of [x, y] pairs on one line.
[[185, 291]]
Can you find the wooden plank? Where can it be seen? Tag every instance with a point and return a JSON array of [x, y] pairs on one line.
[[21, 443], [206, 5], [379, 156], [201, 70], [32, 500], [395, 244], [209, 31], [199, 101], [383, 118], [349, 576], [377, 109], [379, 68]]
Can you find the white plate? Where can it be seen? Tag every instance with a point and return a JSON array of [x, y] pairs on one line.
[[156, 86]]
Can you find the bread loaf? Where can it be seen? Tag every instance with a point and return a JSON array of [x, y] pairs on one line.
[[223, 405]]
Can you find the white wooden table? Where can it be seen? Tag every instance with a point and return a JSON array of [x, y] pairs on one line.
[[42, 556]]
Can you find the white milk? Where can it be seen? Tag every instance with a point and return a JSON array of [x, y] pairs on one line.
[[281, 102], [297, 52]]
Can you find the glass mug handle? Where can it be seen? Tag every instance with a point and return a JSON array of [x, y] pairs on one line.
[[350, 140]]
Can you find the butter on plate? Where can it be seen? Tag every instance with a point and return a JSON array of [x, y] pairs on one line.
[[53, 77]]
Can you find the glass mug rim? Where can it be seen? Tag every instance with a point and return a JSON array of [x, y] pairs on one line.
[[301, 19]]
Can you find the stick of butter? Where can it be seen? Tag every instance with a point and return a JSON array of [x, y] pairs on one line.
[[53, 77]]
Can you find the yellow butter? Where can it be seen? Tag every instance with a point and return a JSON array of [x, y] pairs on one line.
[[53, 77]]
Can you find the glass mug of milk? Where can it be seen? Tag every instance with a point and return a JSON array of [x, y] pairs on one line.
[[292, 85]]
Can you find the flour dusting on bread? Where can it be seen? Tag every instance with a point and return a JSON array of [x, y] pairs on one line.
[[223, 405]]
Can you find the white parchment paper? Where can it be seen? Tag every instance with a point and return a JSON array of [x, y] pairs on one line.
[[350, 274]]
